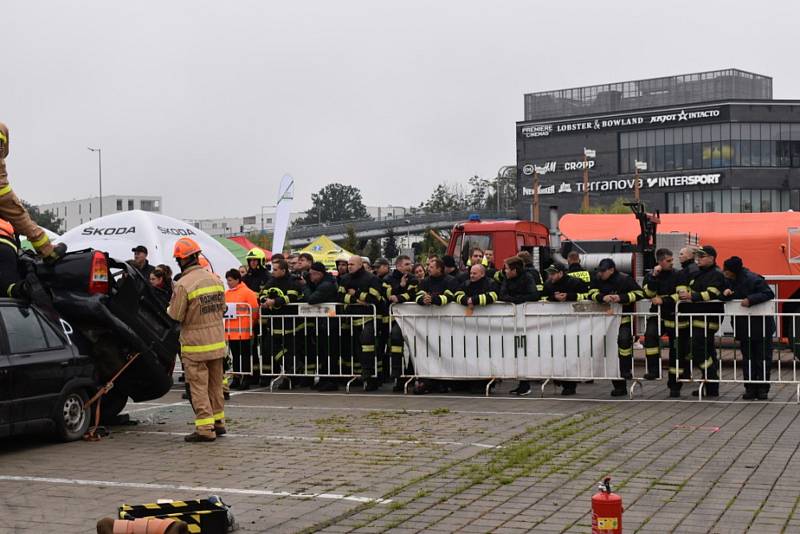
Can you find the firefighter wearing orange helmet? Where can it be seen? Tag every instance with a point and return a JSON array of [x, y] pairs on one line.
[[12, 209], [198, 303]]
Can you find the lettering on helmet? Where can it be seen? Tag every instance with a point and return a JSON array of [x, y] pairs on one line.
[[122, 230]]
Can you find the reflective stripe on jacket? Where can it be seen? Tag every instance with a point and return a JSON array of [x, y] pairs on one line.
[[241, 326], [198, 303]]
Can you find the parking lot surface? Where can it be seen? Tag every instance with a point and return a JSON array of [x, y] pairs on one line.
[[333, 462]]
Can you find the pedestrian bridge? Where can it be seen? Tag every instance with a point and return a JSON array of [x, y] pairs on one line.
[[299, 236]]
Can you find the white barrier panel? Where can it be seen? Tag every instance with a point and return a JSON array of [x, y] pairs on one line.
[[570, 340], [536, 340], [446, 342]]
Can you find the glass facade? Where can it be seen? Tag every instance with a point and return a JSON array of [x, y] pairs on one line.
[[678, 90], [712, 146], [729, 201]]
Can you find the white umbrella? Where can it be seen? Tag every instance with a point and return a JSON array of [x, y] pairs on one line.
[[118, 233]]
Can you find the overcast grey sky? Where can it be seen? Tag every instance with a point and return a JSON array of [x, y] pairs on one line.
[[210, 103]]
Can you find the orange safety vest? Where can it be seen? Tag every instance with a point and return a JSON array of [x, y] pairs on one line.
[[241, 326]]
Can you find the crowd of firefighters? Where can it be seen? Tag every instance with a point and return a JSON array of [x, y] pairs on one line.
[[353, 342]]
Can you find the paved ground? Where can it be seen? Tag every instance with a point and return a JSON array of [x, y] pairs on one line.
[[310, 462]]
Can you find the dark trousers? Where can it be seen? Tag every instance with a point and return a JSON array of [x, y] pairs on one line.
[[624, 352], [704, 353], [652, 343], [241, 355], [396, 346], [756, 360]]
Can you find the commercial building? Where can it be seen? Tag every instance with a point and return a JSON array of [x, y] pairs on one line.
[[231, 226], [76, 212], [713, 142]]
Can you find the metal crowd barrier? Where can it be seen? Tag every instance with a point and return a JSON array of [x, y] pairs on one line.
[[312, 342], [757, 345], [534, 341]]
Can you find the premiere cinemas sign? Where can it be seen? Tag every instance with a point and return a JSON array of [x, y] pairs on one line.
[[627, 184], [676, 117]]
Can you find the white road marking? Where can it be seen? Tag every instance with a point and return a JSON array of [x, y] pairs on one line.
[[198, 489], [155, 405], [326, 438]]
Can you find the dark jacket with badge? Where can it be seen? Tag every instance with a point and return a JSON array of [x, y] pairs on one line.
[[574, 288], [617, 284], [256, 279], [576, 270], [393, 286], [368, 289], [483, 292], [705, 285], [442, 289], [664, 285], [284, 290]]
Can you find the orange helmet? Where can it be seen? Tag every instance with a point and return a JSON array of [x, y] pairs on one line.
[[185, 247], [6, 229]]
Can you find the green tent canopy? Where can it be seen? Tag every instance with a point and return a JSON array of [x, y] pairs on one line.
[[234, 248]]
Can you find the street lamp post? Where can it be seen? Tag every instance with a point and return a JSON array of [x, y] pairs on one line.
[[587, 153], [408, 234], [99, 173], [502, 172]]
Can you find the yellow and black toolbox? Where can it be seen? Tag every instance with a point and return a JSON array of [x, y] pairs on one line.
[[204, 516]]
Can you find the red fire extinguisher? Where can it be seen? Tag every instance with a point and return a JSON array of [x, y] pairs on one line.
[[606, 510]]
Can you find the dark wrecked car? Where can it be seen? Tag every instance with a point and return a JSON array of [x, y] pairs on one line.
[[114, 313]]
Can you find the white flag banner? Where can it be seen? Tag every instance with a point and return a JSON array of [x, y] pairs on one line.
[[282, 213], [535, 340]]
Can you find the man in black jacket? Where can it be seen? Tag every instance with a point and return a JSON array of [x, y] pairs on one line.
[[479, 290], [438, 288], [705, 286], [517, 285], [754, 333], [320, 289], [660, 286], [613, 287], [530, 268], [361, 292], [278, 326], [400, 286], [561, 287], [257, 275], [574, 267]]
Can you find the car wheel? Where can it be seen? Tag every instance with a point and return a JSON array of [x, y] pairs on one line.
[[72, 418]]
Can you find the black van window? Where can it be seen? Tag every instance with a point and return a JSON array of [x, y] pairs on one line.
[[23, 329]]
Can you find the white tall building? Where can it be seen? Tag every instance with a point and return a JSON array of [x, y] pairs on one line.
[[76, 212]]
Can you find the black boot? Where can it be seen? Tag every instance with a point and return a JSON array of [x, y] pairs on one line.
[[653, 368]]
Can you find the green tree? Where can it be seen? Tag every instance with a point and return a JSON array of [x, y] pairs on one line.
[[445, 197], [430, 245], [616, 207], [45, 219], [372, 250], [390, 246], [350, 242], [335, 202]]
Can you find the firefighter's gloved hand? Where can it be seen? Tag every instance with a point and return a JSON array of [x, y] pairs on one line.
[[59, 251]]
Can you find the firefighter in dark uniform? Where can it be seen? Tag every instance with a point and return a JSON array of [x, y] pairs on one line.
[[357, 291], [321, 289], [613, 287], [574, 268], [531, 269], [438, 288], [382, 270], [517, 287], [400, 286], [705, 286], [479, 290], [660, 287], [754, 333], [683, 340], [278, 339], [257, 275], [561, 287]]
